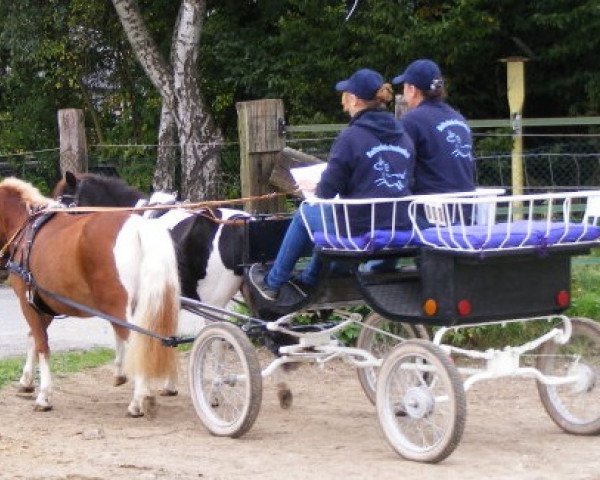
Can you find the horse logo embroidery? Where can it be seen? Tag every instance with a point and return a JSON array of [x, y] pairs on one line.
[[460, 149], [391, 180]]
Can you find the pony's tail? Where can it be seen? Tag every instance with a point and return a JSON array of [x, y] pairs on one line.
[[155, 304]]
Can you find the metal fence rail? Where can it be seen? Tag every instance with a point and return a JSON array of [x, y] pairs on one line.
[[551, 161]]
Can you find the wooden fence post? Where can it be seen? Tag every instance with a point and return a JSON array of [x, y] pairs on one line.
[[261, 140], [73, 144]]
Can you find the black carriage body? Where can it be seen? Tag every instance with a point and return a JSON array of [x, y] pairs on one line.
[[494, 287]]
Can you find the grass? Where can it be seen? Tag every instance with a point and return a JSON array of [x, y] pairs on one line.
[[64, 363], [60, 363]]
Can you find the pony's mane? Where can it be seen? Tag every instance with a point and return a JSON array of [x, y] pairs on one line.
[[113, 184], [28, 193]]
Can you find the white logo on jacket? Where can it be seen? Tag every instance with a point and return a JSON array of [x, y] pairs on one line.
[[391, 180]]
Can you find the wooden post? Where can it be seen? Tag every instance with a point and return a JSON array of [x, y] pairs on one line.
[[261, 140], [73, 144], [515, 89]]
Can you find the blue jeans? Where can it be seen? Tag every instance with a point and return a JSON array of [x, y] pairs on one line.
[[297, 241]]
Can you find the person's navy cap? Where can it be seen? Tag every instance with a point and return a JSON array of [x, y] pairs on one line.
[[363, 83], [423, 74]]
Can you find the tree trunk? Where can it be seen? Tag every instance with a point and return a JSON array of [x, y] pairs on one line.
[[166, 156], [199, 137]]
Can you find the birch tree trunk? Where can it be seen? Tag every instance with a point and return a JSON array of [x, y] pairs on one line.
[[166, 156], [199, 137]]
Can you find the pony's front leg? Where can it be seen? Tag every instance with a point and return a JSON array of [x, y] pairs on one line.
[[43, 400], [143, 402], [26, 380]]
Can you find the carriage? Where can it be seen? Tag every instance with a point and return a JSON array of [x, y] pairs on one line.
[[481, 258], [484, 259]]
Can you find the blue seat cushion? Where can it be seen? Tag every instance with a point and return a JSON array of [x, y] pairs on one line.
[[330, 240], [507, 235], [376, 240]]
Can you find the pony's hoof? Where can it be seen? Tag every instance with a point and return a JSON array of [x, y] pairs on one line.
[[167, 392], [150, 407], [42, 408], [285, 398], [119, 380], [136, 413], [25, 390]]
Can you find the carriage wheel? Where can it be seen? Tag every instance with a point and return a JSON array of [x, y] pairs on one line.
[[225, 380], [380, 344], [421, 402], [575, 406]]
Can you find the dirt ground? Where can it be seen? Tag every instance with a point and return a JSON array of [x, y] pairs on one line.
[[331, 432]]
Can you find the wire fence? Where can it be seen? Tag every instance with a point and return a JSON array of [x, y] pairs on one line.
[[550, 162]]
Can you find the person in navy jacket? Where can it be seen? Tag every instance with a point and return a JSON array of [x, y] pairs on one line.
[[371, 158], [442, 137]]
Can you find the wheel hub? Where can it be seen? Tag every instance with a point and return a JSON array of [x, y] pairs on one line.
[[586, 380], [418, 402]]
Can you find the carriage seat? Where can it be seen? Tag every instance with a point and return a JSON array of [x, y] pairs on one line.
[[507, 235], [473, 223]]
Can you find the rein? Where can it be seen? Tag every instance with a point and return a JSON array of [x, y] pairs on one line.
[[187, 206]]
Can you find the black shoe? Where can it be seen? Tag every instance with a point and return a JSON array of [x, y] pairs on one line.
[[257, 275]]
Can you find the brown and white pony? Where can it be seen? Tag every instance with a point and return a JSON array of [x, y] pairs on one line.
[[119, 264]]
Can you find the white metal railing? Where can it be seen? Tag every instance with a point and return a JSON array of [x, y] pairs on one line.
[[485, 219], [511, 221]]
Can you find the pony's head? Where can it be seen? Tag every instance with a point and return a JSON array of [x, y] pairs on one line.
[[88, 189], [65, 190]]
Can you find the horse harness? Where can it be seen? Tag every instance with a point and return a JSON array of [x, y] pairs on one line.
[[24, 238]]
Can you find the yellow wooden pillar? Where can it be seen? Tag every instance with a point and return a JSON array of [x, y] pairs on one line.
[[515, 87]]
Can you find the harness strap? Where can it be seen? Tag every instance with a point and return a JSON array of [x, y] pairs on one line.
[[166, 341]]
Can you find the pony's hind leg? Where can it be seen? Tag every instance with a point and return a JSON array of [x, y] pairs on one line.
[[120, 345], [169, 389], [143, 402], [26, 380]]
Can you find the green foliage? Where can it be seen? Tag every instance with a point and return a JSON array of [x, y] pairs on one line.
[[74, 54]]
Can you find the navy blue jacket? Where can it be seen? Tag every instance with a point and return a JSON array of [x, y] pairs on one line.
[[371, 158], [444, 145]]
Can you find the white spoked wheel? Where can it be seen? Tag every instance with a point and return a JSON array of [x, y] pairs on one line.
[[379, 344], [573, 406], [421, 402], [225, 380]]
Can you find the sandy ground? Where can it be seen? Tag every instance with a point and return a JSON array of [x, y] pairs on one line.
[[331, 432]]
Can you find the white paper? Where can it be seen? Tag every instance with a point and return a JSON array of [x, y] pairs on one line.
[[310, 175]]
